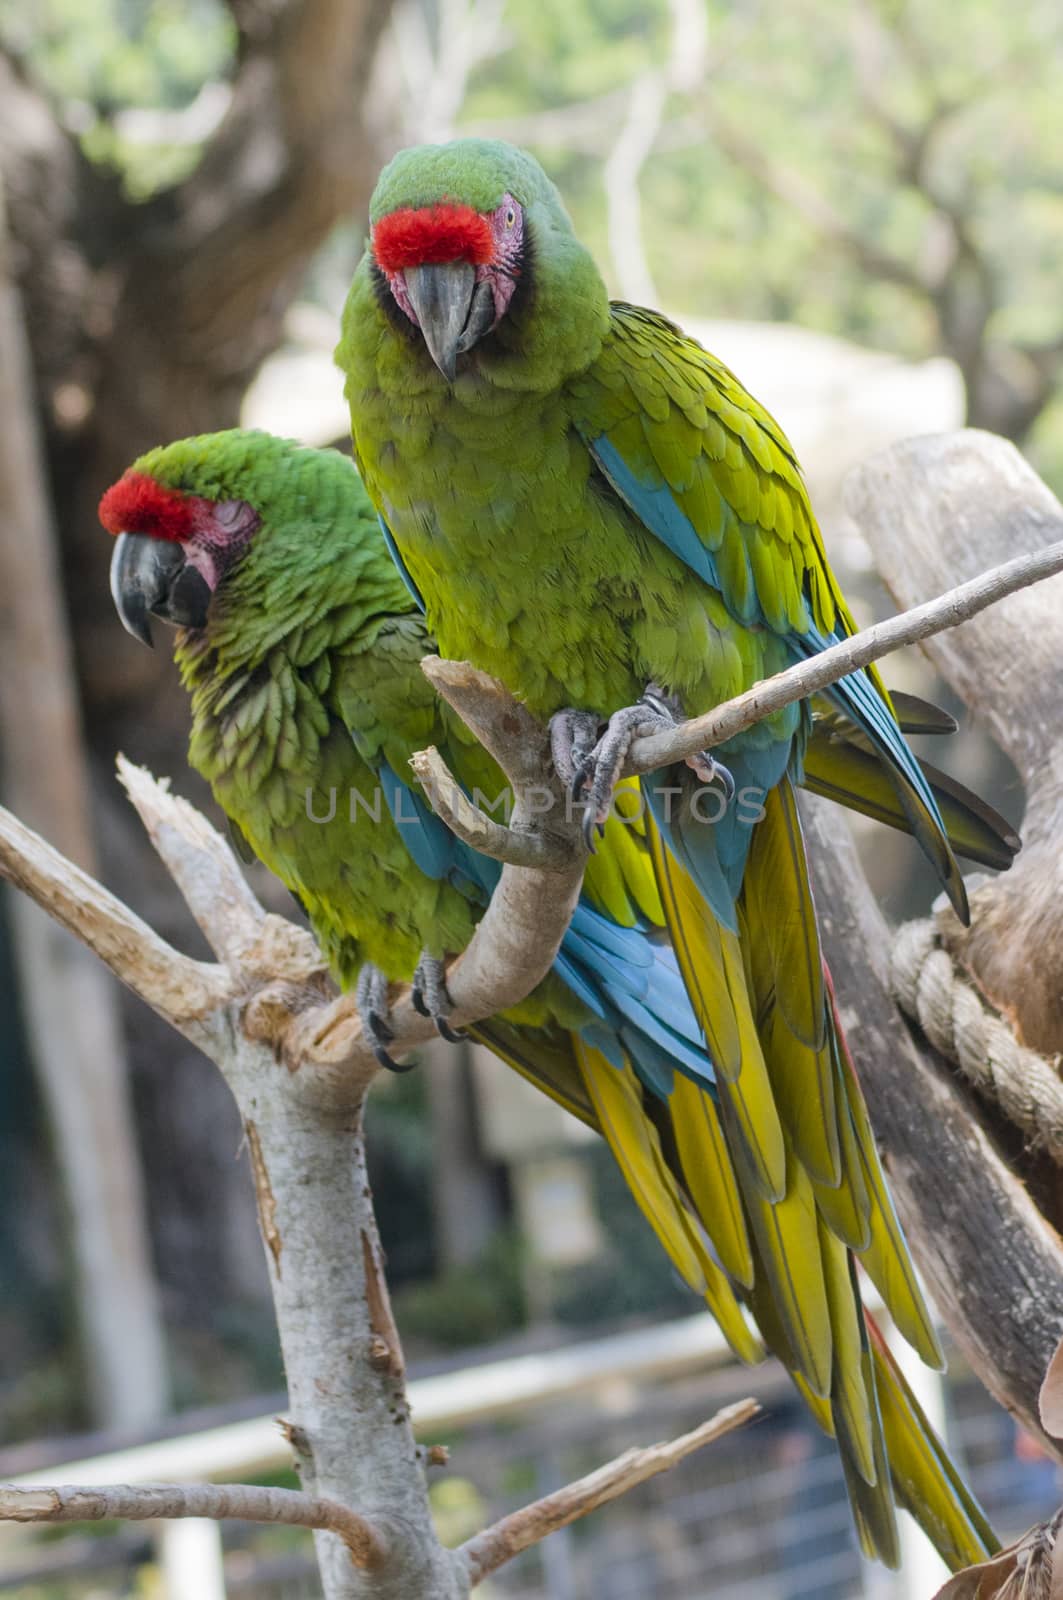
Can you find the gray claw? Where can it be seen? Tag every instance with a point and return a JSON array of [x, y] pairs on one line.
[[592, 766], [371, 998], [429, 996], [726, 777], [573, 736]]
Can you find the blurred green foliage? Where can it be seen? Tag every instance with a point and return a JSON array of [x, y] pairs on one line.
[[468, 1305], [793, 79], [101, 58], [886, 118]]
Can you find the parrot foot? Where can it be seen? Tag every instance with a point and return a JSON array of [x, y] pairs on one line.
[[573, 736], [704, 764], [600, 771], [371, 998], [429, 996]]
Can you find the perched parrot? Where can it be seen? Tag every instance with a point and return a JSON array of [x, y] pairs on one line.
[[300, 644], [592, 508]]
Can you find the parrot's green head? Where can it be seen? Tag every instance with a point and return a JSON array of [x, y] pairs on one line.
[[234, 521], [473, 250]]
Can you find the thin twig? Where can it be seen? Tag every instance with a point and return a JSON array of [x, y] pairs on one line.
[[180, 989], [492, 1548], [870, 644], [149, 1502]]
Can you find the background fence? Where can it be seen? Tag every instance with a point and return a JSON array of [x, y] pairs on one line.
[[761, 1513]]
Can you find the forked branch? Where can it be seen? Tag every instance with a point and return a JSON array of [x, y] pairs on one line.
[[507, 1538], [368, 1541]]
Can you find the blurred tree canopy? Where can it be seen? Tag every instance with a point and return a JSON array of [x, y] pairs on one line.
[[886, 171]]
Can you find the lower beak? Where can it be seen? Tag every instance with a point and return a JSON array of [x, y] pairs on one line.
[[441, 295], [151, 577]]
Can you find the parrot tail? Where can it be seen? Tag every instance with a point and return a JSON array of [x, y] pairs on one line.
[[810, 1185], [843, 764]]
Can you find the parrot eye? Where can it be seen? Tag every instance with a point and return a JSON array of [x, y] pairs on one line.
[[511, 217]]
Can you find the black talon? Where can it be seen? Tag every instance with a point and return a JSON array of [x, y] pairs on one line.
[[718, 773], [727, 777], [389, 1064], [429, 996], [417, 1001], [589, 825], [380, 1035], [379, 1028], [370, 994], [573, 737]]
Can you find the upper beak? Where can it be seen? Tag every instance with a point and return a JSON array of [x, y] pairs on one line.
[[150, 576], [441, 295]]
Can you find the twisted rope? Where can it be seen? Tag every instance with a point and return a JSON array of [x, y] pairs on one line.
[[930, 989]]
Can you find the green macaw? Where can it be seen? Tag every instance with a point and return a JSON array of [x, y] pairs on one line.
[[590, 507], [300, 646]]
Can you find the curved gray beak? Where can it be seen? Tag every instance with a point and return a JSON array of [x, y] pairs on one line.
[[442, 295], [150, 577]]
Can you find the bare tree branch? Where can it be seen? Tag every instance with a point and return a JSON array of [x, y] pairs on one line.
[[686, 69], [369, 1542], [968, 1187], [346, 1374], [531, 1524], [148, 1502], [180, 989], [519, 935], [471, 824], [434, 62], [620, 175]]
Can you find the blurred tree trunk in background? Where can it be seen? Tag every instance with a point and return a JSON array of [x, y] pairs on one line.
[[146, 320], [69, 1004], [466, 1195]]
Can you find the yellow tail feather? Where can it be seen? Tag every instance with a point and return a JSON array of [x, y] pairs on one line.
[[850, 1406], [925, 1481], [708, 1176], [710, 961], [634, 1142], [886, 1259], [790, 1267]]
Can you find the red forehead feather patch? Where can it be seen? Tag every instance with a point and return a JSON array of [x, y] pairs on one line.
[[137, 504], [433, 234]]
